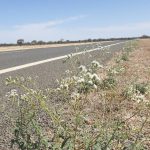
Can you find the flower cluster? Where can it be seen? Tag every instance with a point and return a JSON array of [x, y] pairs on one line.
[[85, 80], [137, 92], [65, 84], [138, 97], [12, 94], [95, 66], [116, 70]]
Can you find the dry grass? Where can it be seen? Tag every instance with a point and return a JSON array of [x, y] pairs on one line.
[[109, 105], [137, 69], [139, 64]]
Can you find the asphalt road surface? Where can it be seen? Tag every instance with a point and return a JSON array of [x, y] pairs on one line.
[[15, 58], [48, 72], [45, 74]]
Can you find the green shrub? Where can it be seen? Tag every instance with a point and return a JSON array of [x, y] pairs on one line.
[[143, 88], [137, 92], [125, 57], [109, 82]]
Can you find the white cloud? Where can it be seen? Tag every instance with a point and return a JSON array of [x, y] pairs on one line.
[[49, 24], [38, 31], [53, 30]]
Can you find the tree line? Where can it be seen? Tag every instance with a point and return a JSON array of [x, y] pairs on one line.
[[35, 42]]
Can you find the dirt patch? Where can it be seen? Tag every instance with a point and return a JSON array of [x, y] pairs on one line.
[[139, 65]]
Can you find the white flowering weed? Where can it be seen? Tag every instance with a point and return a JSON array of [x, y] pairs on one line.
[[86, 79], [137, 92]]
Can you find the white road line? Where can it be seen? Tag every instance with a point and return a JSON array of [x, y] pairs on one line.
[[52, 59]]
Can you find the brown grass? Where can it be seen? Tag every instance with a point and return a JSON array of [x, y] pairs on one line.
[[114, 105], [106, 106]]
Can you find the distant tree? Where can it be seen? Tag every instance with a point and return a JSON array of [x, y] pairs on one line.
[[50, 42], [34, 42], [20, 42], [40, 42], [89, 40], [144, 36], [67, 41]]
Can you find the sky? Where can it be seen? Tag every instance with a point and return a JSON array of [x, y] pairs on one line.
[[52, 20]]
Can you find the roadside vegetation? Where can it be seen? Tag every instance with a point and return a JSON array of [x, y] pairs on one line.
[[94, 107], [22, 42]]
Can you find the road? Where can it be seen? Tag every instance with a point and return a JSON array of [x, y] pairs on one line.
[[16, 58], [47, 63]]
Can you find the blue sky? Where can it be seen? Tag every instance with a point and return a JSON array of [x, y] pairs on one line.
[[51, 20]]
